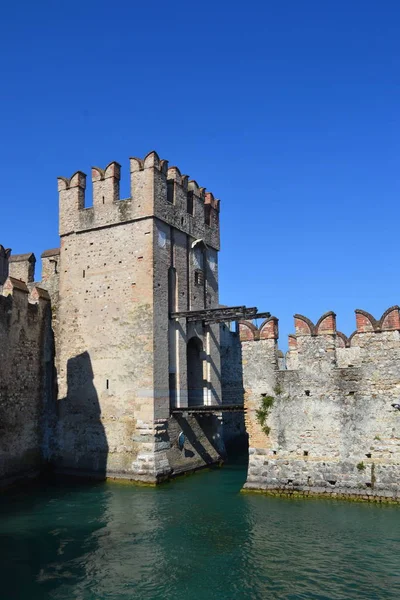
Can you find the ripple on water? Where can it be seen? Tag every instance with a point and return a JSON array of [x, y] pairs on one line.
[[196, 538]]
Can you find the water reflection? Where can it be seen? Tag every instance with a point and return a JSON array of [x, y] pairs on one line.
[[324, 549], [195, 538]]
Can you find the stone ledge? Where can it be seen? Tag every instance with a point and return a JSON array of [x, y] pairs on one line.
[[327, 495]]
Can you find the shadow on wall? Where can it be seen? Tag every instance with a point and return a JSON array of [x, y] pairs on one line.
[[195, 377], [235, 436], [202, 445], [83, 442]]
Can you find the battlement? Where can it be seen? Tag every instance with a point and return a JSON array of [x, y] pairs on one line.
[[156, 191], [19, 291], [319, 341], [22, 308], [22, 266], [332, 416], [268, 330]]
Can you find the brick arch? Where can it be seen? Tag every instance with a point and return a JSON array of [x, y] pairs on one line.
[[303, 325], [390, 320], [269, 329], [326, 323], [248, 332], [366, 322]]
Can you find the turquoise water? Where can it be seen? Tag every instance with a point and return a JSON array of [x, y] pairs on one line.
[[195, 538]]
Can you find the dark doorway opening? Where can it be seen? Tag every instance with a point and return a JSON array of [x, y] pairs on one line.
[[195, 377]]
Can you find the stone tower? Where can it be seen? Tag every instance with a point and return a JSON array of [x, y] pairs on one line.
[[4, 260], [123, 363]]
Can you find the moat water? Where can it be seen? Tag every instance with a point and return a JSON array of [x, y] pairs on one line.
[[192, 539]]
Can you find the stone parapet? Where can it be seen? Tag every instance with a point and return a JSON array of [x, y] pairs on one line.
[[332, 426], [156, 191]]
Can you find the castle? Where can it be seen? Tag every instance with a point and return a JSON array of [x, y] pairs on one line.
[[119, 362]]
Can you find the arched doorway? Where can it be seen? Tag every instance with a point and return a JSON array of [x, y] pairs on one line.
[[195, 377]]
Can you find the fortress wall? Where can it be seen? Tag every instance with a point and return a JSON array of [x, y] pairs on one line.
[[331, 429], [26, 370]]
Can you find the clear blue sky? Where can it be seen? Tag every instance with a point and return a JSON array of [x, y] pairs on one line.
[[288, 111]]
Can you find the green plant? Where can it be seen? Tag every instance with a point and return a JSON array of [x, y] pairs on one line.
[[262, 413], [377, 437], [278, 389], [361, 466]]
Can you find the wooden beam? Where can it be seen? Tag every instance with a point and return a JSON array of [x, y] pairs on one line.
[[215, 408], [219, 315]]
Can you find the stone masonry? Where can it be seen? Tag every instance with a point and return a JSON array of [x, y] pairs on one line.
[[96, 360], [26, 378], [331, 429], [122, 363], [22, 267]]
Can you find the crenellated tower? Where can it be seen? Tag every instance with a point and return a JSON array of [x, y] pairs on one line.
[[123, 364]]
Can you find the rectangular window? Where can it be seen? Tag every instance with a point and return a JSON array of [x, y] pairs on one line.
[[170, 190], [190, 205], [199, 278]]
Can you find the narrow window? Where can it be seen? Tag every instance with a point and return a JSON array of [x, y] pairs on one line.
[[199, 278], [103, 199], [190, 202], [172, 289], [107, 384], [83, 273], [170, 190]]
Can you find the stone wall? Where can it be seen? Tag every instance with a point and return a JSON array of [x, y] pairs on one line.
[[26, 378], [123, 266], [331, 429]]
